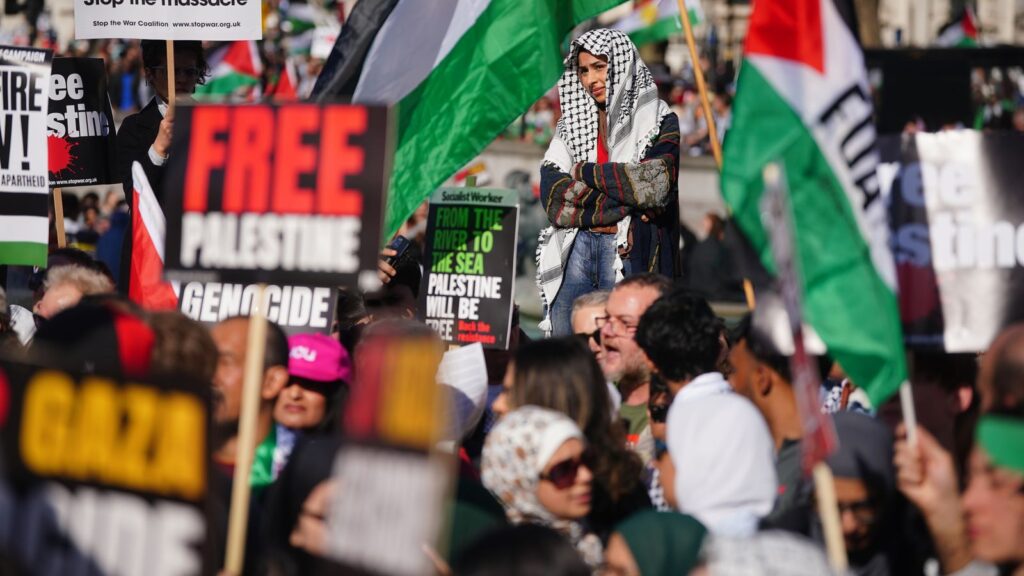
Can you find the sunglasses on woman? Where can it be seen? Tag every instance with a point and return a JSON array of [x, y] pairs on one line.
[[563, 474]]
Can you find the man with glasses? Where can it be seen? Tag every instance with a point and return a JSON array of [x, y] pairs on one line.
[[145, 137], [624, 362]]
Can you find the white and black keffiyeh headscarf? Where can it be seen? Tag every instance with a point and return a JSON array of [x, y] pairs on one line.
[[634, 114], [634, 110]]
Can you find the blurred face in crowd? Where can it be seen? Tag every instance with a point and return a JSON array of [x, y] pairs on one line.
[[501, 404], [857, 513], [623, 358], [186, 74], [618, 558], [310, 531], [994, 511], [593, 72], [744, 369], [584, 322], [299, 406], [564, 488], [657, 414], [56, 299], [230, 337]]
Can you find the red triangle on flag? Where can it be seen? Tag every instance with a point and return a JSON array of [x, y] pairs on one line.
[[789, 29], [242, 58]]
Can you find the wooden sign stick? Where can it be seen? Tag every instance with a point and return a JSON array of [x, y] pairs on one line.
[[170, 77], [58, 217], [238, 517], [828, 510]]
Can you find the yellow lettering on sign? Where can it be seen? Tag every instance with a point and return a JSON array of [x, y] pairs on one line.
[[49, 401], [128, 436], [179, 464], [410, 397], [140, 408], [94, 427]]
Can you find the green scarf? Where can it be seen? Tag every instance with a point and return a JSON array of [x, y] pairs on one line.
[[263, 461]]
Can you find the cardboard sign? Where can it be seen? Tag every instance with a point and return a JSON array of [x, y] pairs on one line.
[[101, 476], [169, 19], [957, 220], [471, 265], [283, 194], [24, 189], [296, 309], [395, 490], [80, 124]]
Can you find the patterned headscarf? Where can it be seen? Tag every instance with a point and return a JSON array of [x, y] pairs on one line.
[[634, 110], [515, 453]]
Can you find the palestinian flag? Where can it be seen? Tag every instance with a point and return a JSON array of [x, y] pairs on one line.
[[146, 285], [285, 87], [961, 32], [803, 101], [235, 72], [458, 73], [658, 20]]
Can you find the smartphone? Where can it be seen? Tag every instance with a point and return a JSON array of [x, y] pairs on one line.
[[400, 245]]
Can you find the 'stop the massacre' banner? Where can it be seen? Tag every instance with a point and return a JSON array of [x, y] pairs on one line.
[[471, 260], [101, 476], [169, 19], [289, 194], [80, 124], [957, 219]]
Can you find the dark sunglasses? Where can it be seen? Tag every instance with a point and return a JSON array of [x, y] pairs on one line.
[[596, 335], [563, 474], [190, 72], [659, 412]]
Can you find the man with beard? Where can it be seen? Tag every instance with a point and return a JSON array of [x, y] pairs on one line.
[[624, 363]]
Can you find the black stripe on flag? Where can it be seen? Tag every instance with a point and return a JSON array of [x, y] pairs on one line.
[[341, 72], [24, 204]]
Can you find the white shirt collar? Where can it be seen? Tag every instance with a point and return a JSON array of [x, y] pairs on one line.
[[162, 106], [703, 385]]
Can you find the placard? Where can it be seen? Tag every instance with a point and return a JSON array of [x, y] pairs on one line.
[[24, 189], [394, 502], [169, 19], [80, 124], [101, 476], [957, 219], [296, 309], [282, 194], [470, 260]]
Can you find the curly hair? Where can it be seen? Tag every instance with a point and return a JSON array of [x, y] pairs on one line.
[[561, 374], [681, 335]]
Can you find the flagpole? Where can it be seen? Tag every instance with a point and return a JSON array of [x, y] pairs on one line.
[[698, 74], [709, 118]]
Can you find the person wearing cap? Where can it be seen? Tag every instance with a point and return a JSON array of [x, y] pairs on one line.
[[319, 370]]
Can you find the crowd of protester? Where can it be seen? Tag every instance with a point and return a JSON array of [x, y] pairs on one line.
[[657, 440]]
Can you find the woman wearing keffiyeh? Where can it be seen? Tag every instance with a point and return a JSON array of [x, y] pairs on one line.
[[608, 180]]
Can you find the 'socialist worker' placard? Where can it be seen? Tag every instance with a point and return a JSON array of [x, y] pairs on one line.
[[168, 19], [289, 194], [471, 259], [102, 476]]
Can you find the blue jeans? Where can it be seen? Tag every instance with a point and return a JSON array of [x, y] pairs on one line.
[[590, 268]]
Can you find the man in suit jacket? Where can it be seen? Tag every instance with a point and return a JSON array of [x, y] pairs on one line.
[[145, 137]]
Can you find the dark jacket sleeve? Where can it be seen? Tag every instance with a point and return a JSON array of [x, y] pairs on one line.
[[645, 184], [570, 203], [133, 143]]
